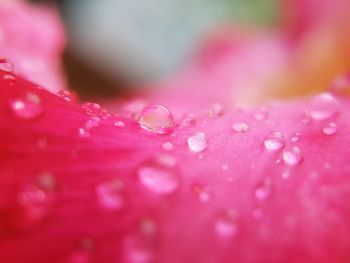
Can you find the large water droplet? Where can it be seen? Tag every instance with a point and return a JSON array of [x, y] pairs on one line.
[[6, 66], [197, 142], [226, 224], [157, 119], [292, 156], [27, 107], [341, 85], [189, 119], [159, 176], [110, 194], [274, 141], [330, 129], [323, 106], [263, 190], [240, 127]]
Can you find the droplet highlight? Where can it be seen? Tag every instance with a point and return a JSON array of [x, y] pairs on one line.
[[240, 127], [274, 142], [292, 156]]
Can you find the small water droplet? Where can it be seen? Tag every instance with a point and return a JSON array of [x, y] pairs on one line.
[[226, 224], [94, 122], [6, 66], [240, 127], [119, 124], [83, 133], [202, 193], [92, 109], [27, 107], [157, 119], [197, 142], [274, 141], [330, 129], [323, 106], [189, 119], [216, 110], [167, 146], [159, 176], [295, 137], [260, 114], [47, 181], [341, 85], [292, 156], [66, 95], [110, 194], [263, 190]]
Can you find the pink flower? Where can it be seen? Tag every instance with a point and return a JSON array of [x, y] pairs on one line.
[[206, 181]]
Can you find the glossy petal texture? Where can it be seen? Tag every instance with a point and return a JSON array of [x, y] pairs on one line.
[[32, 38], [235, 200]]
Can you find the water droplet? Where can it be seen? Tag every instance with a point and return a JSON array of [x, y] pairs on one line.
[[240, 127], [202, 193], [274, 141], [94, 122], [66, 95], [292, 156], [35, 201], [341, 85], [157, 119], [216, 110], [159, 176], [6, 66], [197, 142], [92, 109], [189, 119], [119, 124], [27, 107], [260, 114], [9, 78], [323, 106], [330, 129], [83, 133], [263, 190], [110, 194], [295, 137], [226, 224], [167, 146], [224, 167]]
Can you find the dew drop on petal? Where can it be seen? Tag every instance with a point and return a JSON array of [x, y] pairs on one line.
[[330, 129], [275, 141], [167, 146], [240, 127], [83, 133], [156, 119], [189, 119], [92, 109], [263, 190], [216, 110], [27, 107], [341, 85], [202, 193], [323, 106], [226, 224], [197, 142], [292, 156], [94, 122], [110, 194], [159, 176], [66, 95], [119, 124], [260, 114], [6, 66], [295, 137]]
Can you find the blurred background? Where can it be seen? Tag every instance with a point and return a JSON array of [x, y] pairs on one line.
[[119, 44]]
